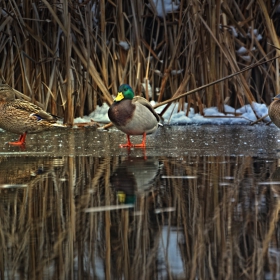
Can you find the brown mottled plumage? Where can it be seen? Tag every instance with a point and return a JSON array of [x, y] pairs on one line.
[[274, 110], [22, 117], [133, 115]]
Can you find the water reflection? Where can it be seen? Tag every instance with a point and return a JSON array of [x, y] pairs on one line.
[[189, 217], [134, 176], [23, 171]]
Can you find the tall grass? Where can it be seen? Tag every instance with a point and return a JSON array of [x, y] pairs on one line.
[[217, 215], [73, 55]]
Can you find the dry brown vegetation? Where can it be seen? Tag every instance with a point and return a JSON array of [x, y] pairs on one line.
[[222, 211], [70, 56]]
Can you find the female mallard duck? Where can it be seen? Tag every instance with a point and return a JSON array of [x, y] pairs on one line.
[[22, 117], [133, 115], [274, 110]]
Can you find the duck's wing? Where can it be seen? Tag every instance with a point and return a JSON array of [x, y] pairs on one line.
[[33, 109], [146, 103]]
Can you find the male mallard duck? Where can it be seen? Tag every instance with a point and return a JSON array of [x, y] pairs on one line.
[[22, 117], [134, 175], [274, 110], [133, 115]]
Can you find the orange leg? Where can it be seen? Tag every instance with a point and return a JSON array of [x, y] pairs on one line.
[[128, 144], [143, 144], [21, 140]]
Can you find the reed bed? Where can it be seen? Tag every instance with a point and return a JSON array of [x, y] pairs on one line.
[[72, 55], [216, 216]]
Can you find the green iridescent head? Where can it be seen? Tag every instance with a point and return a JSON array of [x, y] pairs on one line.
[[124, 92]]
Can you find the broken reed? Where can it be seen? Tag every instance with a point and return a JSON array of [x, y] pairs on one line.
[[70, 55], [224, 216]]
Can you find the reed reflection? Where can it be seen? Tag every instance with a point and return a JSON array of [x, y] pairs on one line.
[[189, 217], [23, 171]]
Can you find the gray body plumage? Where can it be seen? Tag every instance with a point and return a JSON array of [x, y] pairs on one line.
[[134, 117]]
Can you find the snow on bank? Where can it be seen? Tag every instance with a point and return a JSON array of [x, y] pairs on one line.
[[211, 115], [98, 115]]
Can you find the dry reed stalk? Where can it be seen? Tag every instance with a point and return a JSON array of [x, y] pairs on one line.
[[210, 84], [272, 36], [93, 72], [201, 40], [103, 38]]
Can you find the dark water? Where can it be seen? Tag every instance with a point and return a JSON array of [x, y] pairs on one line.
[[200, 202]]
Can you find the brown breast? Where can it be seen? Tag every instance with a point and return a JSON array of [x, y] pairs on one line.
[[121, 112]]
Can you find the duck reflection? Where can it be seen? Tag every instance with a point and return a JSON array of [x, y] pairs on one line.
[[134, 176], [21, 171]]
